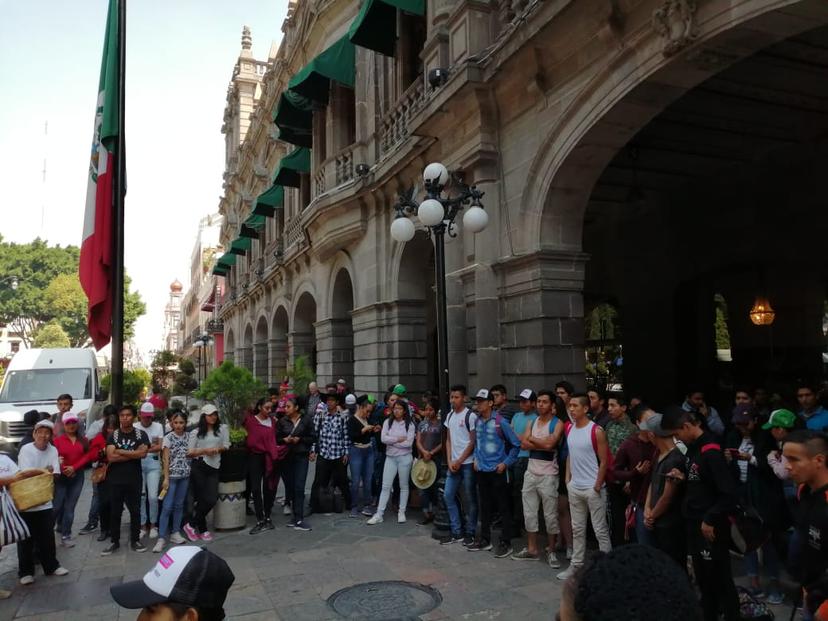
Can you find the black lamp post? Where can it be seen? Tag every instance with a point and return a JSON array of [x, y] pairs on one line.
[[201, 342], [438, 214]]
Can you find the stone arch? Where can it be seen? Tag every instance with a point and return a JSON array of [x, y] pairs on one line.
[[229, 345], [245, 352], [610, 110], [302, 337], [260, 354], [335, 335], [279, 327]]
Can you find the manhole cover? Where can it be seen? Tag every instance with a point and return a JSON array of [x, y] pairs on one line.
[[390, 600]]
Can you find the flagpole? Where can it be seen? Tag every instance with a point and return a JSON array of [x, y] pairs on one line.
[[117, 387]]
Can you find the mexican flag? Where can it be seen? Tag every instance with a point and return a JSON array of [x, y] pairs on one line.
[[95, 272]]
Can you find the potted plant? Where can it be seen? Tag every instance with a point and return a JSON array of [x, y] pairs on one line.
[[301, 374], [232, 389]]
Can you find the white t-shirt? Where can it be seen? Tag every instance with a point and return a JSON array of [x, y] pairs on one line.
[[7, 467], [32, 457], [154, 432], [456, 424]]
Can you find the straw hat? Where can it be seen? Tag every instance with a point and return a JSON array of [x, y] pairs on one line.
[[423, 473]]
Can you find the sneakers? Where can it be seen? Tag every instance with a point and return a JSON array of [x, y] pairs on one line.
[[137, 546], [450, 539], [354, 513], [552, 560], [259, 527], [192, 533], [268, 524], [60, 571], [468, 540], [291, 524], [153, 533], [110, 549], [480, 546], [376, 519], [287, 510], [569, 553], [159, 545], [566, 573], [67, 542], [91, 527], [776, 598], [367, 511], [427, 518], [103, 536], [177, 539], [401, 517], [27, 580], [302, 526], [503, 549], [206, 536], [524, 555]]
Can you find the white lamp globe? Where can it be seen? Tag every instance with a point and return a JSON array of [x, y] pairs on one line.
[[475, 219], [436, 173], [402, 230], [431, 212]]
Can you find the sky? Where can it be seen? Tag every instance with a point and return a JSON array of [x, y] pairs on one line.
[[180, 57]]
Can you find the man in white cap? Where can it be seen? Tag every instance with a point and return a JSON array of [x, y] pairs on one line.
[[40, 455], [188, 582], [150, 470]]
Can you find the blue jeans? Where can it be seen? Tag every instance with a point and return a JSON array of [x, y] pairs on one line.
[[151, 469], [173, 506], [466, 474], [67, 492], [296, 469], [361, 462], [94, 506], [643, 535], [770, 559]]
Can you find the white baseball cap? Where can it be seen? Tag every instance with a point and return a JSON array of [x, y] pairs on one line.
[[208, 408], [187, 575], [45, 423], [350, 400], [69, 417], [147, 409]]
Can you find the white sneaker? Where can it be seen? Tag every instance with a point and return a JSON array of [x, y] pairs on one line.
[[569, 553], [27, 580], [153, 534], [552, 560], [177, 539], [566, 573], [67, 542], [376, 519], [159, 545], [60, 571], [401, 517]]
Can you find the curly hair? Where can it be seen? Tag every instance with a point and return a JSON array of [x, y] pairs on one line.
[[634, 583]]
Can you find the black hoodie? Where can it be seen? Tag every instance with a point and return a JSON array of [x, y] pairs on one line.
[[712, 492]]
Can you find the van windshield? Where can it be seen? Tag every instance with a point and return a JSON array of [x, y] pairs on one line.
[[46, 384]]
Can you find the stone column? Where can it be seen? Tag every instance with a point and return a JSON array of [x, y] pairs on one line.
[[335, 343], [541, 320], [230, 356], [278, 358], [260, 361]]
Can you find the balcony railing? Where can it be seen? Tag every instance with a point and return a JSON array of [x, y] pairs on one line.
[[294, 234], [319, 181], [215, 326], [395, 125], [345, 165]]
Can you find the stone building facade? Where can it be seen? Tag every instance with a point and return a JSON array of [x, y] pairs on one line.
[[623, 147]]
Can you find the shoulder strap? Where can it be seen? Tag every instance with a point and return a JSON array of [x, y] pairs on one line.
[[711, 446], [594, 435], [553, 423], [468, 420], [567, 428], [498, 427]]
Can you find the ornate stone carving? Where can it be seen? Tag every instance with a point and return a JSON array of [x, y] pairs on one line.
[[675, 21]]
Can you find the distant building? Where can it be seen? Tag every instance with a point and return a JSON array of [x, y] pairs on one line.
[[172, 317], [10, 341]]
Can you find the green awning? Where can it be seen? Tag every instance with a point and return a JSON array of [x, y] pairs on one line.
[[226, 260], [291, 165], [240, 245], [218, 270], [251, 227], [268, 202], [335, 63], [375, 28], [294, 118]]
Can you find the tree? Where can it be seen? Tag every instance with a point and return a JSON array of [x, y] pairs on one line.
[[51, 335], [301, 375], [722, 331], [232, 389], [135, 385], [163, 369], [184, 378]]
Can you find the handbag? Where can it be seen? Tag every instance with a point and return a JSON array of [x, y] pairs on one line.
[[629, 521], [99, 473], [12, 527]]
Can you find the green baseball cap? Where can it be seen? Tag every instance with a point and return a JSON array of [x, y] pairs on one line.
[[399, 389], [781, 418], [372, 399]]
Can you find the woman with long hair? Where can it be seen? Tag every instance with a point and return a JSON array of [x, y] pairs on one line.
[[430, 448], [398, 436], [361, 456], [296, 431], [176, 471], [205, 445], [262, 463]]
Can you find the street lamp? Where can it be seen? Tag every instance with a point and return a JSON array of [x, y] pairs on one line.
[[438, 214], [200, 342], [12, 280]]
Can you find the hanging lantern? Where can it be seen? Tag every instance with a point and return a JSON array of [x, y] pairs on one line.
[[762, 313]]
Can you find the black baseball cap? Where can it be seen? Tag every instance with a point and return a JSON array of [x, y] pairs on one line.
[[186, 575]]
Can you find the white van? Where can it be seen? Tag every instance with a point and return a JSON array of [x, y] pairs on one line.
[[35, 378]]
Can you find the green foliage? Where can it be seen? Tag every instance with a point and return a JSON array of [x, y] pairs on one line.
[[602, 323], [49, 291], [164, 369], [186, 366], [237, 435], [722, 331], [232, 389], [135, 384], [301, 375], [184, 378], [51, 336]]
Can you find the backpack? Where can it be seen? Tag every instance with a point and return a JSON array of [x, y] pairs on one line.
[[752, 608], [609, 477], [468, 418]]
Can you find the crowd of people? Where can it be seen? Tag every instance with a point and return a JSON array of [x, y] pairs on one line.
[[565, 468]]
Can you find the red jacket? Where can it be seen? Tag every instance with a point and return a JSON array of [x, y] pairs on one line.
[[72, 453], [262, 439]]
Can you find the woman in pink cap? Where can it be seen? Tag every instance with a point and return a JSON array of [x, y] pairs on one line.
[[72, 449]]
